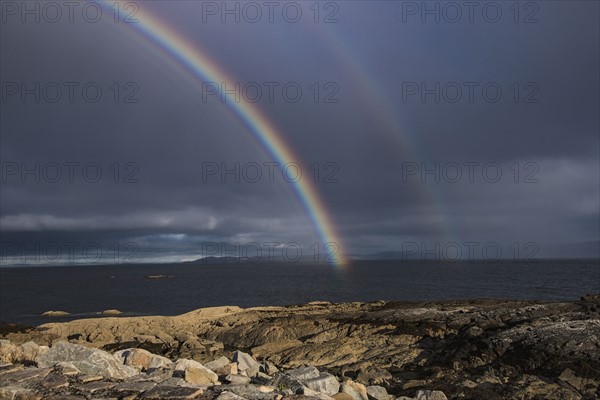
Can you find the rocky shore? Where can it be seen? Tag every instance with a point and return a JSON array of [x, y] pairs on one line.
[[479, 349]]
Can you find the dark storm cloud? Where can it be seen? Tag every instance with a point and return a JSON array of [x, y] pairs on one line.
[[161, 145]]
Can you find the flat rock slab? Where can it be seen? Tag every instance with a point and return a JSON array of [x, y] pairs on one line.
[[55, 381], [26, 374], [137, 387], [171, 393], [92, 387], [89, 378]]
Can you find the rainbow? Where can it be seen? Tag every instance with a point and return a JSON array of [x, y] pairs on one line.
[[198, 62]]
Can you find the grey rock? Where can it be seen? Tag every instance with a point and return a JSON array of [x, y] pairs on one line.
[[282, 380], [246, 363], [26, 375], [171, 392], [137, 387], [218, 363], [430, 395], [324, 383], [303, 373], [246, 391], [378, 393], [88, 361], [237, 379], [93, 387], [229, 396]]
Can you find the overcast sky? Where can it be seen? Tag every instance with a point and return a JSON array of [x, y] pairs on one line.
[[412, 95]]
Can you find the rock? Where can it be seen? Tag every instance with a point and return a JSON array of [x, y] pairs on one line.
[[138, 358], [55, 381], [248, 392], [325, 383], [157, 362], [88, 361], [229, 396], [237, 379], [303, 373], [218, 363], [67, 368], [342, 396], [55, 314], [26, 375], [430, 395], [246, 363], [183, 363], [8, 352], [373, 376], [111, 312], [93, 387], [285, 381], [10, 392], [378, 393], [137, 387], [89, 378], [171, 393], [200, 376], [311, 393], [356, 390]]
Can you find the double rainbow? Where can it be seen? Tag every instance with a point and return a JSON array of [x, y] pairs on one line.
[[198, 62]]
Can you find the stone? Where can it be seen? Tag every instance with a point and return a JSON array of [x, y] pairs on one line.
[[229, 396], [171, 393], [201, 376], [6, 368], [237, 379], [89, 378], [88, 361], [26, 375], [311, 393], [55, 314], [285, 381], [55, 381], [157, 362], [218, 363], [356, 390], [375, 392], [246, 363], [325, 383], [10, 392], [111, 312], [137, 387], [9, 353], [430, 395], [303, 373], [342, 396], [373, 376], [138, 358], [93, 387], [183, 363], [248, 392], [67, 368], [229, 369]]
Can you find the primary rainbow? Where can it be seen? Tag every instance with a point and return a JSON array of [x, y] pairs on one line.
[[203, 68]]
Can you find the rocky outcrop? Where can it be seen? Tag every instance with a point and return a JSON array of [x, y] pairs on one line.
[[483, 349]]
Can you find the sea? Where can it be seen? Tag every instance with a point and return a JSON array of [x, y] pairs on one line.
[[85, 291]]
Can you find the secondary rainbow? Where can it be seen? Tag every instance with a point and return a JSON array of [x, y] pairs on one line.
[[203, 68]]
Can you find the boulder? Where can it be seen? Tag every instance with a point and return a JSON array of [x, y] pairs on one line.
[[356, 390], [138, 358], [200, 376], [303, 373], [430, 395], [237, 379], [88, 361], [378, 393], [183, 363], [246, 363], [325, 383]]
